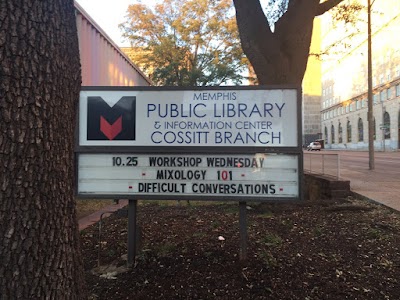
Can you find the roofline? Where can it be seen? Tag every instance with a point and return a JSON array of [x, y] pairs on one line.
[[109, 40]]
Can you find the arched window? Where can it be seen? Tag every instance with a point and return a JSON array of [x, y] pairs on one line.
[[348, 131], [386, 125], [326, 135], [340, 133], [399, 128], [332, 134], [360, 130]]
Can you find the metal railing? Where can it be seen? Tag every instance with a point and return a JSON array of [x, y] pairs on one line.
[[327, 164]]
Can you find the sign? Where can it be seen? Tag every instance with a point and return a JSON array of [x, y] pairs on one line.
[[260, 176], [194, 118], [225, 143]]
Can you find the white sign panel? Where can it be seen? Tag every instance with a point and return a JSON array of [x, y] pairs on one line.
[[259, 176], [223, 118]]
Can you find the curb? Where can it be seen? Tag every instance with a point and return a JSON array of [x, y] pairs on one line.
[[365, 198]]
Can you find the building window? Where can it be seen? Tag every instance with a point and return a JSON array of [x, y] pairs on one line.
[[374, 130], [399, 127], [375, 98], [386, 125], [389, 93], [340, 133], [332, 134], [383, 95], [397, 90], [326, 135], [360, 130], [348, 131]]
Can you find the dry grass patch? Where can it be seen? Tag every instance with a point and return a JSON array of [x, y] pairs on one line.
[[85, 207]]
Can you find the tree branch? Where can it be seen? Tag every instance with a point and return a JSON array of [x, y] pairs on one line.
[[327, 5], [256, 37], [251, 19]]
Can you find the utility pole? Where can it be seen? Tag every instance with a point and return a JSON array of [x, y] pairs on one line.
[[371, 122]]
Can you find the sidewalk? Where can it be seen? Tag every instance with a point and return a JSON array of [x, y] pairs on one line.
[[375, 185], [95, 217], [381, 184]]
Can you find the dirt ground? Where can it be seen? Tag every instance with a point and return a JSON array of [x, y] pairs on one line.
[[313, 250]]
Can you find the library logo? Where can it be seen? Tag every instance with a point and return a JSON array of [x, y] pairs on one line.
[[111, 123]]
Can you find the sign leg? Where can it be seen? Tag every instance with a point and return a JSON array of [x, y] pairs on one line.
[[132, 232], [243, 230]]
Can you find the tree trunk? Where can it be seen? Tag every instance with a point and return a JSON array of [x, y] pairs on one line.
[[279, 57], [39, 88]]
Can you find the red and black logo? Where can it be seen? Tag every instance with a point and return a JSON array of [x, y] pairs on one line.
[[111, 123]]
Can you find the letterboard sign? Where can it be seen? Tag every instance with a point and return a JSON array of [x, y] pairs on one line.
[[232, 176]]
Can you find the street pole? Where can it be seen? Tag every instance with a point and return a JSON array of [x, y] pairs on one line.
[[370, 99]]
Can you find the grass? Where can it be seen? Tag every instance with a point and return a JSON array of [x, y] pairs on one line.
[[268, 258], [271, 240], [165, 249], [85, 207]]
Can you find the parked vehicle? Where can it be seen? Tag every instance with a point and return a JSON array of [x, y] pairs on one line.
[[316, 146]]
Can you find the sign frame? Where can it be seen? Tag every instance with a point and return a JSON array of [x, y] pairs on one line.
[[196, 150]]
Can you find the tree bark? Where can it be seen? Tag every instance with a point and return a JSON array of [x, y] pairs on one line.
[[279, 57], [39, 88]]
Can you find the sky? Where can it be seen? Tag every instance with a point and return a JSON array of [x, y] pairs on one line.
[[108, 14]]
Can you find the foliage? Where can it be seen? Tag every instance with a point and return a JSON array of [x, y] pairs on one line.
[[186, 43]]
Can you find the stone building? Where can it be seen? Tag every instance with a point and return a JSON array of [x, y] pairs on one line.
[[344, 101], [311, 104]]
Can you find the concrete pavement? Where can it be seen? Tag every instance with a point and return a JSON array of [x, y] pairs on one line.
[[382, 184], [375, 185]]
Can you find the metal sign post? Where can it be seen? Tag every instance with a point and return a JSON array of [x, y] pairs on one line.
[[243, 230], [132, 232]]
